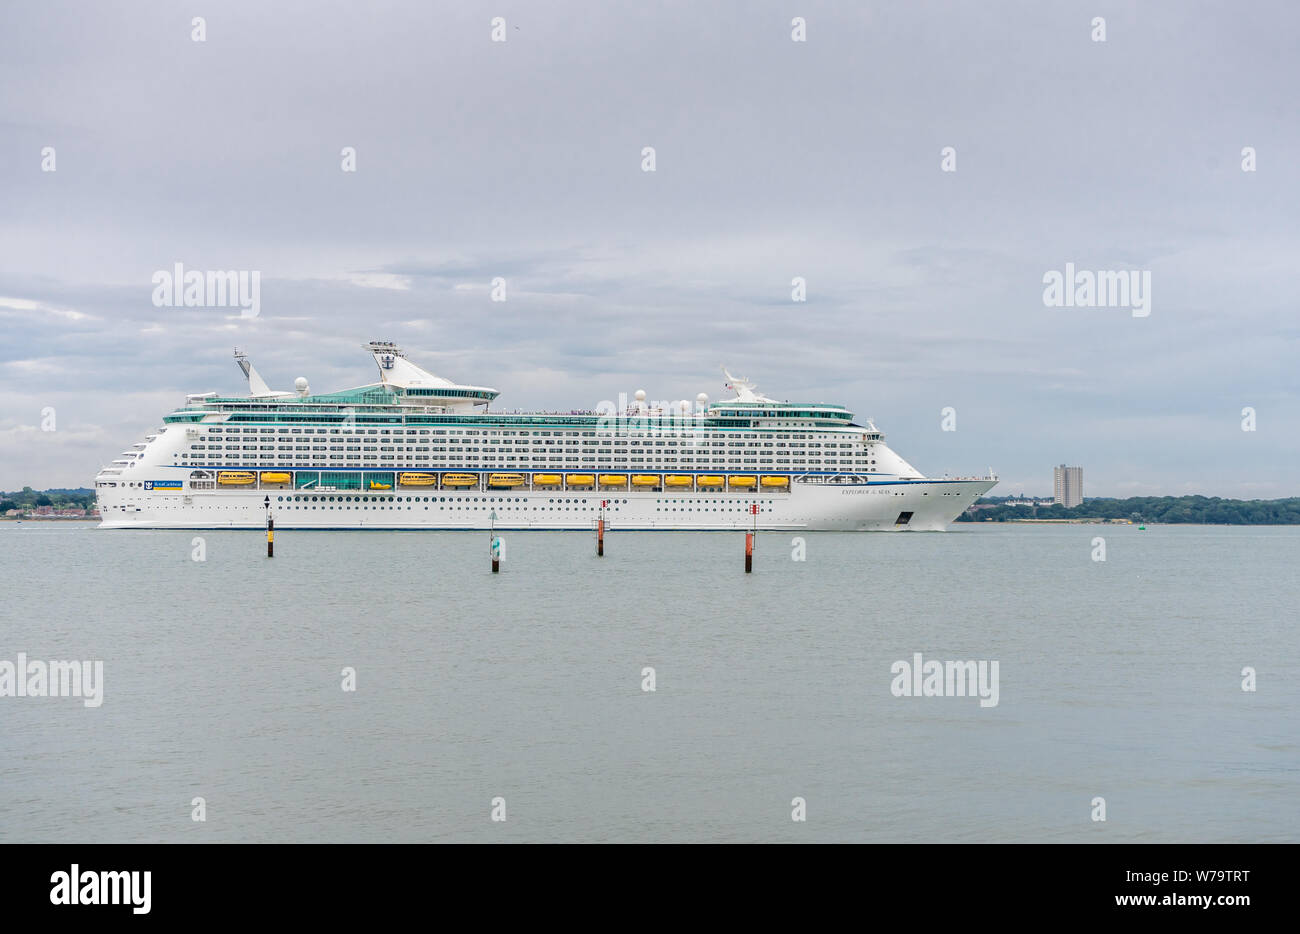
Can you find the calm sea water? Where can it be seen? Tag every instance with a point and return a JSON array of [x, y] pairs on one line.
[[223, 680]]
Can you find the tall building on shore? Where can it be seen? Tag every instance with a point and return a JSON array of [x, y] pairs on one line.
[[1069, 485]]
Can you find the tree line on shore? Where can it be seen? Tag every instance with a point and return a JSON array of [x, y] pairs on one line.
[[28, 499], [1200, 510]]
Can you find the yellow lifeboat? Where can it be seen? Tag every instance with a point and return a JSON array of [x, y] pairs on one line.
[[709, 482], [459, 479], [235, 478], [612, 479], [645, 480], [779, 483], [546, 479], [275, 476], [505, 479], [742, 481], [417, 479], [678, 480], [376, 485], [580, 479]]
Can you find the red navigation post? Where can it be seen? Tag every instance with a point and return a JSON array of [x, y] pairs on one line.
[[600, 530], [749, 541]]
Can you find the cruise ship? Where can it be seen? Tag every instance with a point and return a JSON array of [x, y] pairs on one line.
[[417, 451]]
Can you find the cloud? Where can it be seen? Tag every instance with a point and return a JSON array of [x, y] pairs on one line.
[[27, 308], [775, 160]]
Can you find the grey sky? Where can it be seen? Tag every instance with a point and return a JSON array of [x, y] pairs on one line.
[[775, 159]]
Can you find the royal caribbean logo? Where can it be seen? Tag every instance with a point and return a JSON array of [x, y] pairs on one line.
[[386, 361], [162, 484]]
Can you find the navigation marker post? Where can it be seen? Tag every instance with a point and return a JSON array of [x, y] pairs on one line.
[[270, 529], [600, 530], [494, 543], [749, 541]]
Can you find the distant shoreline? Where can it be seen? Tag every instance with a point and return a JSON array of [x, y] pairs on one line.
[[1135, 510], [49, 518], [1139, 510]]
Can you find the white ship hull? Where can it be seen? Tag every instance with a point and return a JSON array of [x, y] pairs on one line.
[[882, 506], [414, 451]]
